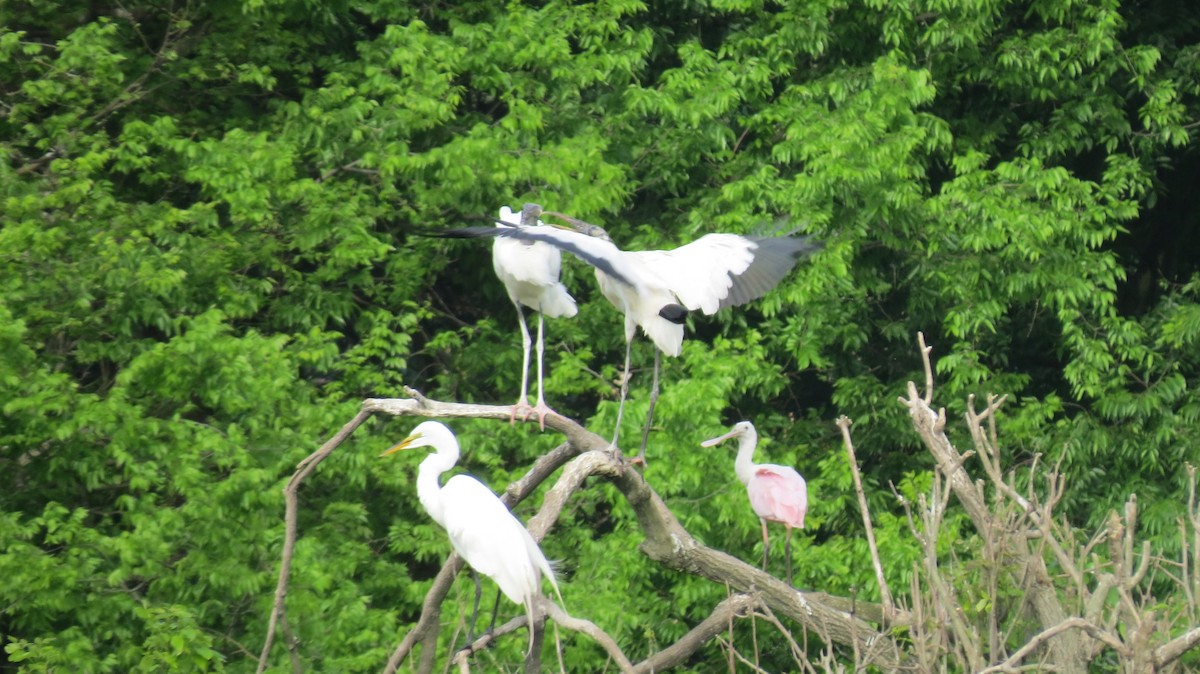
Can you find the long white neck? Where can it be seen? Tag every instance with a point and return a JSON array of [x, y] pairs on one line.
[[744, 464], [429, 489]]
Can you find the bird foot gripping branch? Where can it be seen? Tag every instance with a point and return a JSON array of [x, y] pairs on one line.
[[524, 410]]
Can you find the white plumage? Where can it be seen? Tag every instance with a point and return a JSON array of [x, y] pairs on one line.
[[481, 529], [699, 276], [529, 271], [655, 289]]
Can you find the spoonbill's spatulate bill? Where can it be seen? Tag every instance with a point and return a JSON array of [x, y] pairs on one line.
[[777, 493]]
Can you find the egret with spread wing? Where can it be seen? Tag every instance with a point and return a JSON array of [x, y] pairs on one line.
[[777, 493], [481, 528], [655, 289], [529, 270]]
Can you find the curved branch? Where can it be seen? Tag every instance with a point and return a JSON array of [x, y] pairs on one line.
[[289, 539], [717, 622], [1030, 568], [1171, 651], [1045, 635], [668, 542], [589, 628], [426, 628], [665, 541]]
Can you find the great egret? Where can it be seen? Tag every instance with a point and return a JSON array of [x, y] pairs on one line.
[[777, 493], [656, 288], [481, 528], [529, 270]]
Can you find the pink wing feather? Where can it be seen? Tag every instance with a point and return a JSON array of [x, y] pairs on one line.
[[779, 494]]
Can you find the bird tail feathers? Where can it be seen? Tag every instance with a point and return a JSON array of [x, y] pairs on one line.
[[559, 303], [549, 570], [666, 335]]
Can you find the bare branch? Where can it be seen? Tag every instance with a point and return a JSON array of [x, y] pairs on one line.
[[1172, 650], [486, 639], [1073, 623], [421, 406], [737, 654], [290, 517], [719, 620], [589, 628], [1028, 565], [797, 652], [293, 644], [885, 596], [426, 627], [928, 368], [666, 541]]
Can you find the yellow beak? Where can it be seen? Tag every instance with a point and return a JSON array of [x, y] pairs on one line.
[[403, 444]]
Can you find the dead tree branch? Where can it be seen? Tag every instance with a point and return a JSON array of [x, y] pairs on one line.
[[1092, 602], [1011, 664], [290, 514], [1042, 594], [717, 622], [885, 596], [1105, 606], [666, 541], [589, 628]]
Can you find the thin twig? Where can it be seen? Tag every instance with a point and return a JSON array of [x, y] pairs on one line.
[[885, 596], [769, 615], [737, 654], [290, 518]]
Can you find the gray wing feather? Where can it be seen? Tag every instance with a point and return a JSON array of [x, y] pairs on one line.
[[774, 257], [602, 255]]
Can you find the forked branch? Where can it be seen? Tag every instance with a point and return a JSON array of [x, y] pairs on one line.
[[666, 541], [1103, 606]]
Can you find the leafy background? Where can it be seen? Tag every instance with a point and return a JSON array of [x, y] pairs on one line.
[[207, 259]]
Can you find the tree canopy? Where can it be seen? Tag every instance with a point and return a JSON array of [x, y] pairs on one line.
[[211, 251]]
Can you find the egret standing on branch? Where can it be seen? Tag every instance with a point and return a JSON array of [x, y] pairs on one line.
[[777, 493], [655, 289], [529, 270], [481, 528]]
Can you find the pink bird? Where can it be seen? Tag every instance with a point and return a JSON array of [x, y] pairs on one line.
[[777, 493]]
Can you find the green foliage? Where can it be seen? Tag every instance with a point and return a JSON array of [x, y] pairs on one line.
[[208, 257]]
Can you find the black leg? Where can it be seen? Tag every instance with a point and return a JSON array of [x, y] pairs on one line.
[[474, 611], [495, 610]]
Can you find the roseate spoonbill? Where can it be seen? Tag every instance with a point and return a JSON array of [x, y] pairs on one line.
[[656, 288], [529, 270], [777, 493], [481, 529]]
